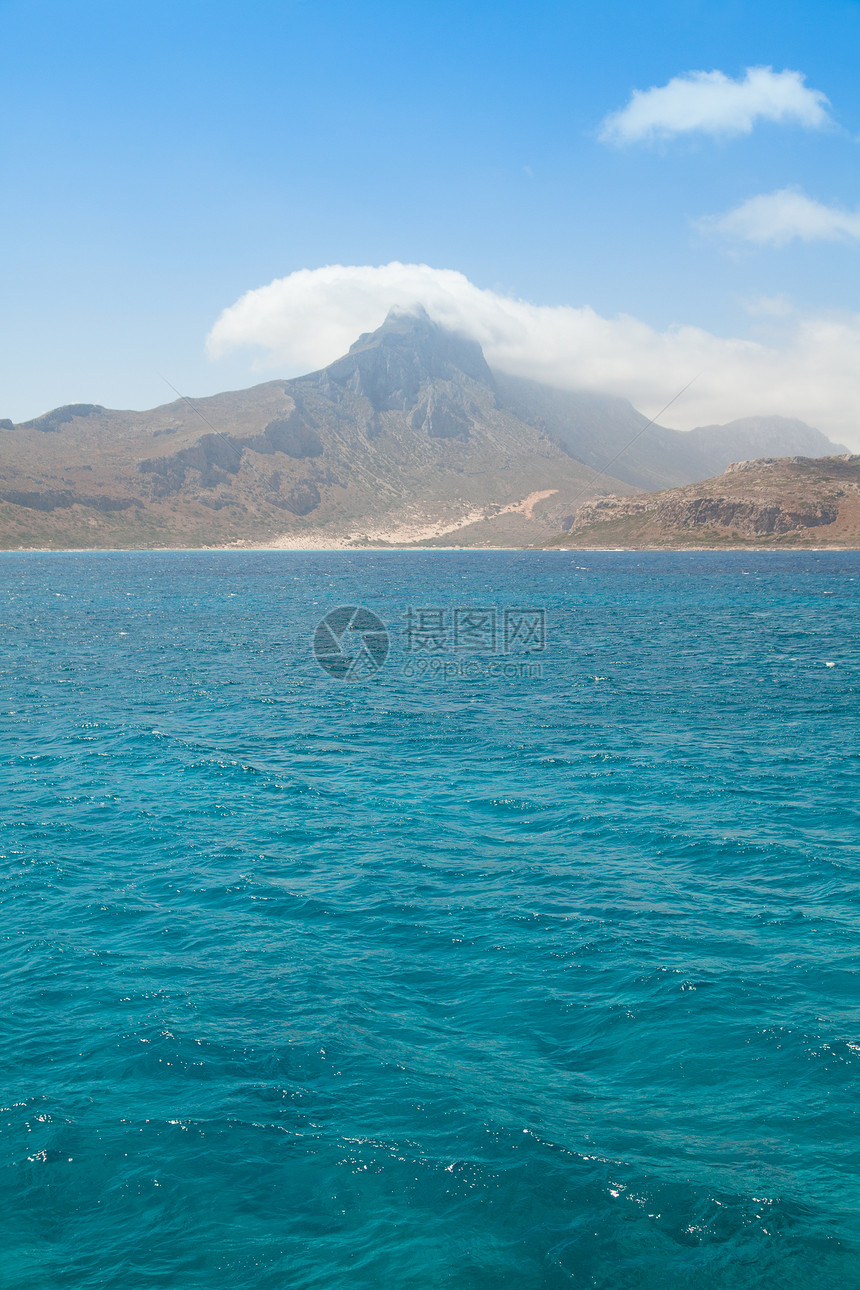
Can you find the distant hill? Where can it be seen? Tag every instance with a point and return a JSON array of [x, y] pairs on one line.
[[712, 448], [597, 428], [410, 437], [774, 502]]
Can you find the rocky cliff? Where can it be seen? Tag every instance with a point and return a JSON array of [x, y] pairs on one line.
[[792, 501]]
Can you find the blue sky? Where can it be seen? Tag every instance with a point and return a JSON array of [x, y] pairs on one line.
[[160, 160]]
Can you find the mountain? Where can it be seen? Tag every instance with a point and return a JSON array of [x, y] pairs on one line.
[[410, 437], [713, 448], [774, 502], [598, 430]]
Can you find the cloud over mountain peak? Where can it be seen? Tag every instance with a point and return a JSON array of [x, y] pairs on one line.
[[807, 368]]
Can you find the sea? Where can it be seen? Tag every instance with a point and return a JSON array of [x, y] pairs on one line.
[[403, 920]]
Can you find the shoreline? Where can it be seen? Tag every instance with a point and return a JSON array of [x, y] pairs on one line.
[[383, 550]]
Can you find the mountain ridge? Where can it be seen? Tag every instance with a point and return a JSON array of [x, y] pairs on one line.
[[410, 429]]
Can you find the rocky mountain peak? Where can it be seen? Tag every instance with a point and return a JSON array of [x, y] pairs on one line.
[[393, 366]]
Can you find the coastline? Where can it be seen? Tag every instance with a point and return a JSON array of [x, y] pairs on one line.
[[342, 549]]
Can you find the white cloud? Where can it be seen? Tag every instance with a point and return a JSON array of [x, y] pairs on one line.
[[780, 217], [713, 103], [301, 322]]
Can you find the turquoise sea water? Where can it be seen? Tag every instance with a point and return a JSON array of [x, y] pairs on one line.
[[515, 974]]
